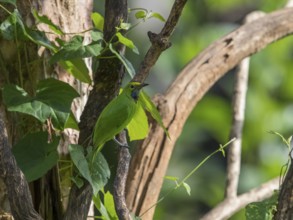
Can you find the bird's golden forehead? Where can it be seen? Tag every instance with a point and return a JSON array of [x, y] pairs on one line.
[[135, 83]]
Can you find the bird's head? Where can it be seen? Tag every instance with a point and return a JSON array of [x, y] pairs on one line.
[[133, 89]]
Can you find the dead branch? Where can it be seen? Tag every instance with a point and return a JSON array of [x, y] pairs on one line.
[[150, 162], [239, 101], [229, 206]]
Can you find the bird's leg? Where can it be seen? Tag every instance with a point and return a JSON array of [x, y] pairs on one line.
[[121, 144]]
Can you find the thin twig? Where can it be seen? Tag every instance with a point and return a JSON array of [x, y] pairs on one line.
[[239, 100], [234, 151]]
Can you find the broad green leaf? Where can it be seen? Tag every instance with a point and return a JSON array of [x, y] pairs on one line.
[[141, 14], [44, 19], [35, 156], [53, 100], [100, 171], [125, 62], [75, 49], [77, 68], [98, 21], [138, 127], [56, 94], [96, 35], [157, 15], [127, 42], [149, 106], [263, 210], [96, 173], [40, 38], [187, 188], [9, 1], [17, 100]]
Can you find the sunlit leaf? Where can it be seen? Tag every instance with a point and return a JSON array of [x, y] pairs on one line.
[[138, 127], [77, 68], [149, 106], [127, 42], [173, 178], [157, 15], [98, 21], [140, 14], [187, 188]]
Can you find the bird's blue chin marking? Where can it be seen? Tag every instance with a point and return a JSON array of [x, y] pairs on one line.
[[134, 94]]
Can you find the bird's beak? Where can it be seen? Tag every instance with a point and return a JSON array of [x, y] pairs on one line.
[[143, 85]]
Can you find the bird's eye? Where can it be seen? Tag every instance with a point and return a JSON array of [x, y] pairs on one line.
[[132, 86]]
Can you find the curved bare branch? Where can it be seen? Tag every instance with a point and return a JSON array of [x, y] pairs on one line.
[[150, 162]]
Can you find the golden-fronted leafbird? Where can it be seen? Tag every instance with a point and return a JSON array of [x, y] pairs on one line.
[[117, 115]]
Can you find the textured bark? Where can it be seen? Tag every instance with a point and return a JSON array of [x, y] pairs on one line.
[[285, 200], [151, 159], [17, 187], [107, 82]]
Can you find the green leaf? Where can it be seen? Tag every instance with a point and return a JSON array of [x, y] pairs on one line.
[[138, 127], [107, 209], [110, 205], [35, 156], [97, 174], [124, 26], [157, 15], [17, 100], [71, 122], [77, 68], [100, 207], [149, 106], [11, 27], [56, 94], [263, 210], [125, 62], [96, 35], [9, 1], [140, 14], [127, 42], [75, 49], [187, 188], [44, 19], [173, 178], [53, 99], [98, 21]]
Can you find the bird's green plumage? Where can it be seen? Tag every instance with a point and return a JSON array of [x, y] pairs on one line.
[[116, 115]]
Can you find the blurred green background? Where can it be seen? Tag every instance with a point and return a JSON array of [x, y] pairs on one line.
[[269, 103]]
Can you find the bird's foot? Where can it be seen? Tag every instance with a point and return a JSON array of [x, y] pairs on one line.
[[120, 143]]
